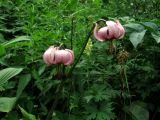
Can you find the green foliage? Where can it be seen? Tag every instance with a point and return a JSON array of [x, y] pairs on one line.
[[100, 87]]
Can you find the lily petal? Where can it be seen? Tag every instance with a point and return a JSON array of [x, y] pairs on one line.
[[70, 58], [113, 30], [121, 29], [99, 34]]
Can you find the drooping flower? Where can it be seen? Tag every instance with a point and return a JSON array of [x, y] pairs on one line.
[[121, 30], [54, 55], [113, 30]]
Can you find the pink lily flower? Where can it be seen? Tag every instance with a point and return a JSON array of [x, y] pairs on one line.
[[113, 30], [55, 56]]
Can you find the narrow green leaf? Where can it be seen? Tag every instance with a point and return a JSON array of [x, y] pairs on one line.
[[17, 39], [27, 115], [1, 38], [41, 69], [7, 103], [23, 82], [2, 50], [156, 36], [137, 37], [8, 73]]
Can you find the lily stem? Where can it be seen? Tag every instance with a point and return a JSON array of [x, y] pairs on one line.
[[82, 50], [72, 31], [57, 97]]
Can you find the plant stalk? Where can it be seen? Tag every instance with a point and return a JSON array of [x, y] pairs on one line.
[[72, 31], [82, 50]]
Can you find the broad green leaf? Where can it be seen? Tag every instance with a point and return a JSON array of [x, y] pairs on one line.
[[137, 37], [139, 112], [27, 115], [150, 25], [8, 73], [7, 103], [17, 39], [156, 36], [23, 82], [134, 26]]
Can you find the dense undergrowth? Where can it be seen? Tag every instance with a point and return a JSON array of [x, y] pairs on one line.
[[122, 85]]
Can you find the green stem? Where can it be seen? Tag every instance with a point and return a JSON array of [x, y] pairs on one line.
[[126, 80], [49, 115], [82, 50], [72, 32]]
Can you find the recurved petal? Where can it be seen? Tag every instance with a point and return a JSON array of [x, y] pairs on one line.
[[47, 56], [69, 59], [98, 34], [53, 61], [121, 29], [113, 30], [59, 56], [103, 33]]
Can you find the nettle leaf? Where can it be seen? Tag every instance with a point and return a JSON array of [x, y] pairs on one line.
[[137, 37], [92, 116], [7, 103], [156, 36], [27, 115], [8, 73], [88, 98], [103, 112]]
